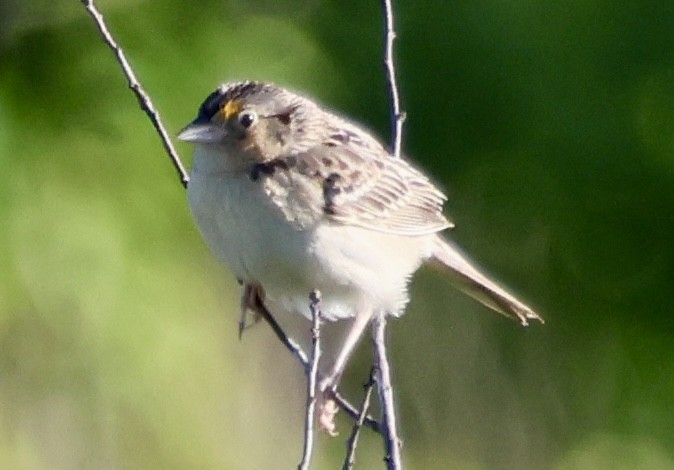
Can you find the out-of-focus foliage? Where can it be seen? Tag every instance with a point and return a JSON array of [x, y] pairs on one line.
[[551, 124]]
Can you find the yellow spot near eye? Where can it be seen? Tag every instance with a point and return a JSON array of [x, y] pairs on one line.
[[231, 108]]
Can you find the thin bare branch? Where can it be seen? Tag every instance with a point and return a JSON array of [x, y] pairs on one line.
[[397, 115], [385, 390], [383, 373], [354, 412], [352, 443], [292, 346], [143, 98], [312, 379]]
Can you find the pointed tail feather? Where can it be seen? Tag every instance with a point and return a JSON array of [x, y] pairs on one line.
[[471, 281]]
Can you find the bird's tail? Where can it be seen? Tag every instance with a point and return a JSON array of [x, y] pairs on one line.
[[471, 281]]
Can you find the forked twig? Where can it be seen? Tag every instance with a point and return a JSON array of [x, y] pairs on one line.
[[301, 356], [143, 98], [312, 379]]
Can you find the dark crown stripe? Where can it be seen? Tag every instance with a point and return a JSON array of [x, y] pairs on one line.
[[225, 93]]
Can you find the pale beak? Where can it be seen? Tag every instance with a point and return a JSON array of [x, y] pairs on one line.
[[198, 133]]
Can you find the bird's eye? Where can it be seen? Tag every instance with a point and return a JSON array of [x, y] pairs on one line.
[[247, 119]]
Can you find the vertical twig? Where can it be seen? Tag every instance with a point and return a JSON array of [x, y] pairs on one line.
[[397, 115], [383, 375], [312, 379], [143, 98], [385, 391], [352, 443]]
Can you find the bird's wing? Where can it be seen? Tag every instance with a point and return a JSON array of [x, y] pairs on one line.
[[354, 181]]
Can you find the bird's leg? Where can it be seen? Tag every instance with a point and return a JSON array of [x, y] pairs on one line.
[[327, 406], [362, 319], [250, 297]]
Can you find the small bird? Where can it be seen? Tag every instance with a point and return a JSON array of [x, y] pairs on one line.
[[294, 198]]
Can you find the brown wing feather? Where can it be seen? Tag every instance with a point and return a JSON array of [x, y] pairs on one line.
[[357, 182], [386, 194]]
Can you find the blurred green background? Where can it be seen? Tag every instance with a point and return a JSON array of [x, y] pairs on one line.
[[550, 124]]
